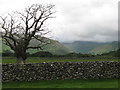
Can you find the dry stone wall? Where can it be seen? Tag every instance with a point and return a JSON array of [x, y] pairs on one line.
[[60, 70]]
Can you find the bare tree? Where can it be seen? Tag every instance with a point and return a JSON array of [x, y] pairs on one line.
[[18, 29]]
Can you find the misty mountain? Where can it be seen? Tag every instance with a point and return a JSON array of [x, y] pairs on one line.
[[84, 47], [87, 47]]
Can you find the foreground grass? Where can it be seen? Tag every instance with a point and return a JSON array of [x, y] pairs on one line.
[[52, 59], [106, 83]]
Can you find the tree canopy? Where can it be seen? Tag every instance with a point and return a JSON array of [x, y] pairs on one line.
[[19, 28]]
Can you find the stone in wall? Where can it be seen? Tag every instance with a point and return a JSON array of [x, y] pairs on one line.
[[60, 70]]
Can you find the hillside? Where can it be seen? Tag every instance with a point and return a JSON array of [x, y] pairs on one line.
[[84, 47], [107, 47], [92, 47], [55, 47]]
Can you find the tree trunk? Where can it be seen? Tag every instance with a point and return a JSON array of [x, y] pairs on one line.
[[20, 60]]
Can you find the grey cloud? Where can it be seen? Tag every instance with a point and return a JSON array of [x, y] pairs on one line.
[[92, 21]]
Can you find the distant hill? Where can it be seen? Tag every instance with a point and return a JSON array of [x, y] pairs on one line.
[[84, 47], [87, 47], [107, 47], [55, 47]]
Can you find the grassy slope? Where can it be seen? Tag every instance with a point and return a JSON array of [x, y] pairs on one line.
[[102, 49], [79, 47], [105, 48], [106, 83], [55, 47], [5, 47]]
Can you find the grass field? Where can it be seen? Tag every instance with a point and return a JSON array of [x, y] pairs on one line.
[[106, 83], [52, 59]]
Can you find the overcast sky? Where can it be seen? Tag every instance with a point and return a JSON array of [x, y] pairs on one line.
[[76, 20]]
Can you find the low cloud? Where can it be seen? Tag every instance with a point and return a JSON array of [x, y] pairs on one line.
[[90, 21], [77, 20]]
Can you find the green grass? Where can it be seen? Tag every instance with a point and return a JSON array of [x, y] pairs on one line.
[[53, 59], [106, 83]]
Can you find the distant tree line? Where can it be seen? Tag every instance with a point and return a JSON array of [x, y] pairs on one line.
[[77, 55], [46, 54]]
